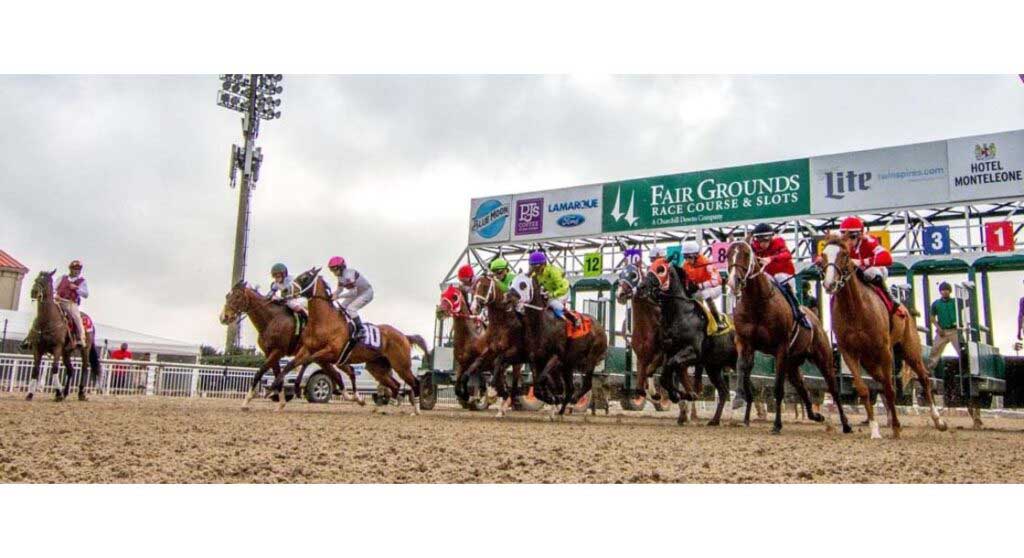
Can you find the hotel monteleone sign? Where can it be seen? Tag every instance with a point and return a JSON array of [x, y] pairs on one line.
[[694, 199]]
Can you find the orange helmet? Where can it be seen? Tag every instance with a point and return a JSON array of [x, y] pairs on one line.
[[852, 224], [466, 273]]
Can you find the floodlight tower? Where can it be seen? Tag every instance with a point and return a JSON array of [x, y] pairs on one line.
[[255, 96]]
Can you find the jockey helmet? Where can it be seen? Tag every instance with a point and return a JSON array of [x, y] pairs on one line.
[[279, 268], [74, 264], [466, 273], [763, 230], [691, 248], [499, 264], [657, 252], [336, 261], [851, 224], [538, 258]]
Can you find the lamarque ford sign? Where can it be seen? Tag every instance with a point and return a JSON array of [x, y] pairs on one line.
[[955, 171]]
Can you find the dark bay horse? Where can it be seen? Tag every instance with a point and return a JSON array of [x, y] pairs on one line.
[[51, 335], [644, 333], [684, 340], [275, 325], [868, 336], [764, 322], [503, 343], [550, 350], [328, 332]]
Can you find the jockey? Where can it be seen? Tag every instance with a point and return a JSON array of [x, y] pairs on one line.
[[499, 267], [354, 291], [71, 289], [777, 260], [466, 277], [285, 288], [552, 280], [702, 272], [870, 257]]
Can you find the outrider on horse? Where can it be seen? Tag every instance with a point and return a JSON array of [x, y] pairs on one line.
[[53, 333]]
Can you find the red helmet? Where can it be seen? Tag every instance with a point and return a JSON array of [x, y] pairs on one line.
[[466, 272], [852, 224]]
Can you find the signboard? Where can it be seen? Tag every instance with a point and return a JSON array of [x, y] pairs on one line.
[[674, 253], [883, 238], [593, 263], [935, 240], [999, 237], [764, 191], [719, 251], [888, 178], [489, 219], [557, 213], [990, 166]]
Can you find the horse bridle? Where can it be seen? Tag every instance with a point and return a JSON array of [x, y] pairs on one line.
[[466, 314], [741, 282], [844, 276]]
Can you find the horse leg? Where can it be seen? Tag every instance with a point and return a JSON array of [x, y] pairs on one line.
[[351, 373], [517, 378], [400, 363], [913, 359], [55, 373], [744, 366], [889, 392], [37, 359], [823, 360], [297, 362], [797, 379], [862, 391], [84, 376], [69, 372], [780, 391], [498, 379], [718, 380], [698, 374], [274, 361]]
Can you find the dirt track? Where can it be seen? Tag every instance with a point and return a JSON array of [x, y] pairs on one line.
[[179, 440]]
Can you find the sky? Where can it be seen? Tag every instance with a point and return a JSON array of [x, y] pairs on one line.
[[129, 174]]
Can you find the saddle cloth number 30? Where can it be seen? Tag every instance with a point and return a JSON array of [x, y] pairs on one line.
[[372, 337]]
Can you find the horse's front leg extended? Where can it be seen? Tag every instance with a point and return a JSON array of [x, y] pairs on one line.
[[744, 366], [273, 361], [686, 357]]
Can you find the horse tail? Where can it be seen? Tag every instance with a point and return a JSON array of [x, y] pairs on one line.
[[419, 342], [94, 361]]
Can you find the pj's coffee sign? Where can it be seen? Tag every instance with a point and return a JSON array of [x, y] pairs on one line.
[[745, 193], [557, 213]]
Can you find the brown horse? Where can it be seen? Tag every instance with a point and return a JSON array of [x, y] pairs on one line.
[[328, 332], [765, 323], [503, 343], [549, 348], [275, 325], [868, 336], [51, 334]]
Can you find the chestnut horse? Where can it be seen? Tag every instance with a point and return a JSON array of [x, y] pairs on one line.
[[275, 325], [764, 322], [549, 348], [468, 341], [328, 332], [51, 334], [503, 343], [643, 337], [868, 336]]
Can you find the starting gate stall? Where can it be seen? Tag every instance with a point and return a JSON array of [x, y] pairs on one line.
[[952, 204]]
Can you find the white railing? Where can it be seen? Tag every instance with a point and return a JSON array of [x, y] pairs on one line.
[[134, 377]]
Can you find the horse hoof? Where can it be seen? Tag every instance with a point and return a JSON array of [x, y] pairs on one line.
[[816, 417], [245, 408], [713, 423], [776, 430], [29, 397], [847, 429], [82, 397], [942, 426]]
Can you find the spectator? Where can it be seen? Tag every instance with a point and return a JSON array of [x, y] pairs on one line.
[[121, 354], [944, 319], [120, 371]]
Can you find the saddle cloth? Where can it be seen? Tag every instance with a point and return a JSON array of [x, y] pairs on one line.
[[371, 334], [586, 325], [72, 329], [726, 325], [900, 311]]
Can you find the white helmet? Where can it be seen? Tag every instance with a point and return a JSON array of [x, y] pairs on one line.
[[690, 247], [657, 252]]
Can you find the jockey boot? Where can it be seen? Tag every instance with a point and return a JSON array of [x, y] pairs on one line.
[[879, 282], [360, 330], [714, 313], [798, 315]]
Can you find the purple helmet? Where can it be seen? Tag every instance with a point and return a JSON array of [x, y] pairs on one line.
[[537, 258]]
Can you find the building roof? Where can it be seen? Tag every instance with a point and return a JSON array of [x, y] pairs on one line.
[[8, 262], [20, 321]]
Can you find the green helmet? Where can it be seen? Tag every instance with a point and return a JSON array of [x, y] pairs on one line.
[[279, 268], [499, 264]]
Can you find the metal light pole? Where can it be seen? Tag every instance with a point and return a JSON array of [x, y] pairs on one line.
[[254, 96]]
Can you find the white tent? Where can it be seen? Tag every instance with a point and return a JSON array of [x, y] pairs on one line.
[[19, 322]]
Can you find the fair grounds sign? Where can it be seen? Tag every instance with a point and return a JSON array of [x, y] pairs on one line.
[[928, 199]]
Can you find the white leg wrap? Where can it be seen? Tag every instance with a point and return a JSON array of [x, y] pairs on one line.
[[875, 434], [32, 385]]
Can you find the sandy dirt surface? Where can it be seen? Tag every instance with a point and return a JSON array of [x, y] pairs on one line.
[[155, 440]]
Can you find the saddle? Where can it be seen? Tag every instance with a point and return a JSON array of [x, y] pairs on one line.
[[713, 327], [890, 308], [73, 329], [372, 338], [586, 325]]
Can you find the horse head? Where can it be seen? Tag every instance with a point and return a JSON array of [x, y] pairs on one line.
[[42, 288], [236, 304], [306, 279], [743, 265], [629, 281], [525, 292], [836, 263], [668, 282], [452, 301], [485, 291]]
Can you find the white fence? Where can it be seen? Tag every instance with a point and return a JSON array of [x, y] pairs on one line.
[[134, 377]]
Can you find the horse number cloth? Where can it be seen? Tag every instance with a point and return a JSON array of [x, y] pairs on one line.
[[372, 337], [586, 325]]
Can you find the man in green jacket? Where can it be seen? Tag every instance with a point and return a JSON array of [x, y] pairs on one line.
[[944, 320], [553, 281]]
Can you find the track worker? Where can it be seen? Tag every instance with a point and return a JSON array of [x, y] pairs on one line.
[[354, 291], [944, 320]]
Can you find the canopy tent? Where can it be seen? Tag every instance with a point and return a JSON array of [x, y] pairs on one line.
[[19, 322]]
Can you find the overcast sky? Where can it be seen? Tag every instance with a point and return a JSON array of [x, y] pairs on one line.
[[129, 174]]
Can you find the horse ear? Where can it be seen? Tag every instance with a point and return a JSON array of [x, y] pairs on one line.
[[52, 273]]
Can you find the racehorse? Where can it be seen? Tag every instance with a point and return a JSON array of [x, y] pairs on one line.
[[869, 337], [764, 322], [278, 334], [644, 331], [468, 339], [328, 332], [51, 333], [503, 343], [684, 340], [550, 348]]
